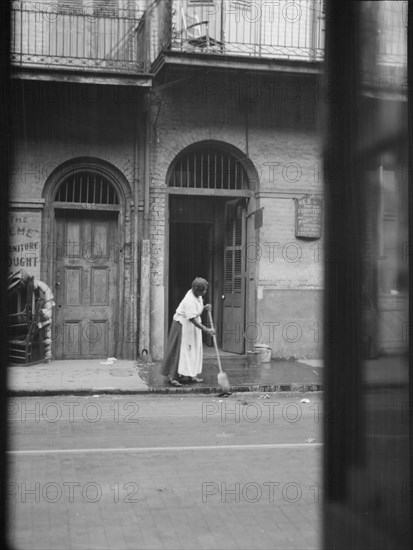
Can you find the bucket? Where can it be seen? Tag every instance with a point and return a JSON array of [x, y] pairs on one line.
[[254, 358], [265, 352]]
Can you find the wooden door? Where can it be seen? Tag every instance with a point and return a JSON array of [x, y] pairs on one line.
[[234, 278], [86, 278]]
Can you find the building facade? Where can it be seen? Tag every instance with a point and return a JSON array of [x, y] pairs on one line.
[[159, 141]]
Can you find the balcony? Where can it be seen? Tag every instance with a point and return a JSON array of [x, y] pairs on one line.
[[224, 30], [384, 63], [104, 43], [49, 39]]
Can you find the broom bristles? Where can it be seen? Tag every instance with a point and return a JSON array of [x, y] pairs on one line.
[[223, 382]]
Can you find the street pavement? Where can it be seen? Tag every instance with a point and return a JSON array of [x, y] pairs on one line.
[[152, 471]]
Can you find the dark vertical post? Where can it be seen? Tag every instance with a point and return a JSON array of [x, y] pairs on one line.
[[6, 152], [410, 243], [343, 427]]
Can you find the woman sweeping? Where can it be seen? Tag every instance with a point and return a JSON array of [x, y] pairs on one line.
[[184, 349]]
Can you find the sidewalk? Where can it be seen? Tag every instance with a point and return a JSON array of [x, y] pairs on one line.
[[100, 376]]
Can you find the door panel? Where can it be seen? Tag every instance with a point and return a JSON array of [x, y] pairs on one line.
[[234, 278], [99, 286], [86, 280]]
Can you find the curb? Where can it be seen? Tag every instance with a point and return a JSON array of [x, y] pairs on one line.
[[273, 388]]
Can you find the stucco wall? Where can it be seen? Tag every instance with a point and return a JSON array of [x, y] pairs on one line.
[[53, 124]]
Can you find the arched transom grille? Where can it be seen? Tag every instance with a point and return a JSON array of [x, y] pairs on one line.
[[208, 169], [87, 187]]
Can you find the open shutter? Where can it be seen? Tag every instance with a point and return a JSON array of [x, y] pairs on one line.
[[234, 278]]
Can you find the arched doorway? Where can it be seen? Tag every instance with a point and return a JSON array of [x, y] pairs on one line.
[[209, 190], [85, 202]]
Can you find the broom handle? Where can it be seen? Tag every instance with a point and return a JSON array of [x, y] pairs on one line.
[[215, 341]]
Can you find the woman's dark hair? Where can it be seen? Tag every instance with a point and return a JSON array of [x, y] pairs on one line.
[[199, 284]]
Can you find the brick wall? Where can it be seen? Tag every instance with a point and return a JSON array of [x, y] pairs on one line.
[[59, 122]]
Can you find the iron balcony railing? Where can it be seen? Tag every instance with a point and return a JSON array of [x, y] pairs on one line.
[[100, 36], [52, 35], [270, 28], [278, 29]]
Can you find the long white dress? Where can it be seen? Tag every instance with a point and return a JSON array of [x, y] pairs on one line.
[[190, 357]]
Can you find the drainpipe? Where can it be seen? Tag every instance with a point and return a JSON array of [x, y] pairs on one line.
[[145, 294], [223, 17], [134, 284], [146, 218]]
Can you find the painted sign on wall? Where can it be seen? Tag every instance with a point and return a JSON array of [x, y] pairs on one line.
[[308, 218], [24, 242]]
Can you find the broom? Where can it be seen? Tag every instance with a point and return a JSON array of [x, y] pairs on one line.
[[222, 377]]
